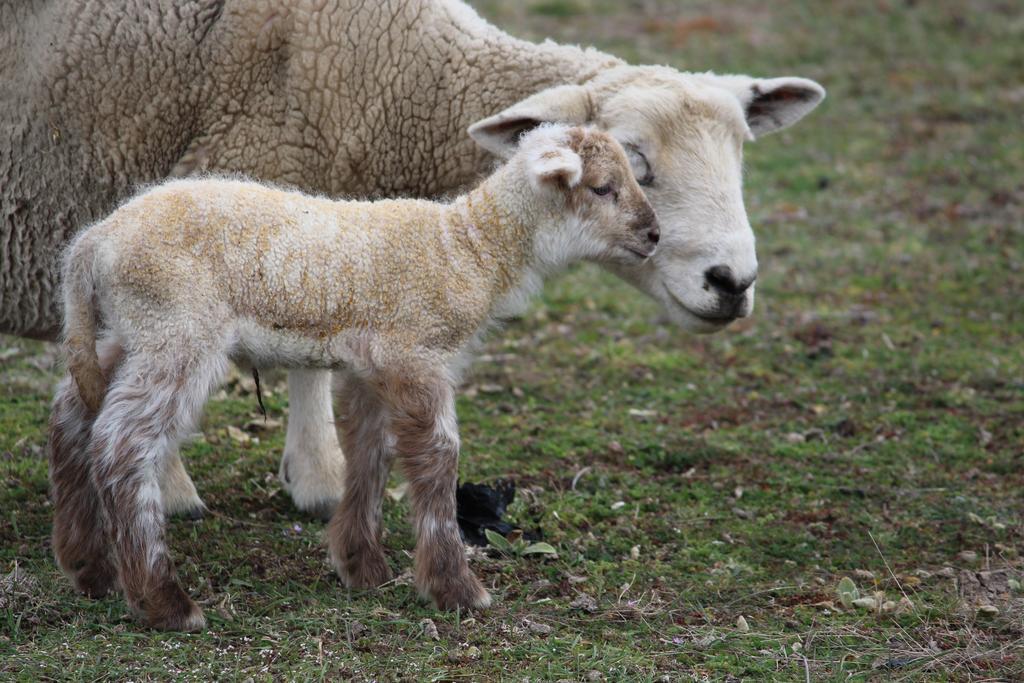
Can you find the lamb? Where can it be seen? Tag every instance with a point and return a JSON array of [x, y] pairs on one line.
[[358, 99], [394, 294]]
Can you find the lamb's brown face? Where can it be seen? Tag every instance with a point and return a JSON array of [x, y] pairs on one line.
[[610, 199]]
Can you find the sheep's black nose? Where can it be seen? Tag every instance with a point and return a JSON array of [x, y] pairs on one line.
[[724, 281], [654, 234]]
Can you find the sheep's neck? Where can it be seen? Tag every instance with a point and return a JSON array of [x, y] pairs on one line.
[[508, 69], [502, 70]]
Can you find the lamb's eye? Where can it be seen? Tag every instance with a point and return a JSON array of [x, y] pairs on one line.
[[602, 191]]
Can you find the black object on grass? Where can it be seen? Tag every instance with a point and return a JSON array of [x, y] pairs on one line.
[[481, 507], [259, 392]]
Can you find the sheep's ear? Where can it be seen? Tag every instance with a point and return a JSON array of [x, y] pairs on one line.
[[771, 104], [551, 166], [499, 134]]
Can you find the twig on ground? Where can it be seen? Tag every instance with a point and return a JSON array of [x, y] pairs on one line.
[[889, 569], [578, 476]]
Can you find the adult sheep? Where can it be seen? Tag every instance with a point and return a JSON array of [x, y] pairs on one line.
[[346, 97]]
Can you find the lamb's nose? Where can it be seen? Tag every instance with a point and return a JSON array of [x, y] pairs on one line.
[[654, 234], [724, 281]]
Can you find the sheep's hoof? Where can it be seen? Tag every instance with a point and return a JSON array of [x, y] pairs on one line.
[[170, 609], [322, 511], [180, 499], [465, 592], [315, 483], [194, 513]]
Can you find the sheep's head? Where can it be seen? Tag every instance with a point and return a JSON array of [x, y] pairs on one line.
[[684, 134], [588, 174]]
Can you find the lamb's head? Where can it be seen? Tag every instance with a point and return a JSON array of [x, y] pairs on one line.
[[587, 177], [684, 136]]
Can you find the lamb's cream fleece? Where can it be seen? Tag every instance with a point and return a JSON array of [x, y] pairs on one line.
[[296, 280]]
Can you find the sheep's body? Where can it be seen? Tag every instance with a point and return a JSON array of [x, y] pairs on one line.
[[342, 97], [194, 273]]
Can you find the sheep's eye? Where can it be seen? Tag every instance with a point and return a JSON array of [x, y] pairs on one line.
[[640, 165], [602, 191]]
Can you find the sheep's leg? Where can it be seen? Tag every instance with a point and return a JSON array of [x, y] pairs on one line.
[[313, 468], [179, 494], [427, 444], [147, 411], [79, 542], [354, 533]]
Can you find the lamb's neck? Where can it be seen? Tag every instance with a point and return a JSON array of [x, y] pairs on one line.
[[499, 227]]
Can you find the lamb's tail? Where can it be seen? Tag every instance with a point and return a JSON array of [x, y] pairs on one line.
[[80, 323]]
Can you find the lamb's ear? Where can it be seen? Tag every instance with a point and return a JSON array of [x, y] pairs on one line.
[[771, 104], [499, 134], [554, 166]]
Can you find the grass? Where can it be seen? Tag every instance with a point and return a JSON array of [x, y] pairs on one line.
[[867, 422]]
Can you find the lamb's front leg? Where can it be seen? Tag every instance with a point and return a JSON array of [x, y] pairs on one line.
[[313, 468], [354, 532], [427, 444]]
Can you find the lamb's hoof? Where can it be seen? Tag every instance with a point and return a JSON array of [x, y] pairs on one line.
[[314, 482], [364, 570], [94, 579], [465, 592], [188, 620], [170, 609]]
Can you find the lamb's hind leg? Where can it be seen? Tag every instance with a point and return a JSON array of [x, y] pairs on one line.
[[79, 542], [427, 445], [148, 409], [354, 532], [312, 468]]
